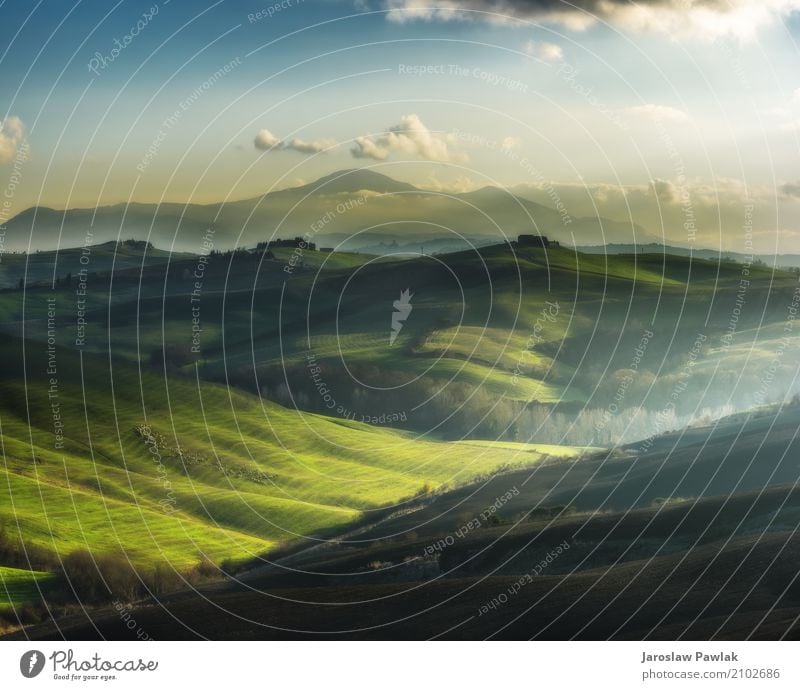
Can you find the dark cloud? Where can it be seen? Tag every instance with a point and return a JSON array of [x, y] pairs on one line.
[[734, 17]]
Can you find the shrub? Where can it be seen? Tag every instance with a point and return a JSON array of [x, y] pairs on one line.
[[99, 579]]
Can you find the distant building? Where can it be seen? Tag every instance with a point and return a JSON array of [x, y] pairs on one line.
[[536, 241], [327, 250]]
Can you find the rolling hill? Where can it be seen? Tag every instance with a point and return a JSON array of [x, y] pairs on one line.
[[101, 455], [299, 421], [704, 560]]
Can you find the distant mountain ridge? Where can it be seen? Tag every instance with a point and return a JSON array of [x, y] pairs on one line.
[[778, 260], [354, 180], [347, 203]]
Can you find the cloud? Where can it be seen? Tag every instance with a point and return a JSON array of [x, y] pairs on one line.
[[654, 112], [458, 185], [791, 126], [710, 19], [267, 141], [309, 146], [12, 134], [664, 190], [412, 139], [785, 112], [550, 52], [790, 189], [791, 123], [367, 148], [775, 112]]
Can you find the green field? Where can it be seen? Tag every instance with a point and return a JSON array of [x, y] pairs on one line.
[[19, 586], [249, 475]]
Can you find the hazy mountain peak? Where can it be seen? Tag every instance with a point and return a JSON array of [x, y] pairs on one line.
[[354, 180]]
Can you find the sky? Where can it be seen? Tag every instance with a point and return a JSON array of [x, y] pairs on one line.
[[682, 115]]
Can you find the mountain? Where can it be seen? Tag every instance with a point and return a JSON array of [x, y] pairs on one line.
[[351, 181], [346, 203]]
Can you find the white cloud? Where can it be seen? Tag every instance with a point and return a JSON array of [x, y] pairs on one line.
[[459, 185], [303, 146], [709, 19], [791, 126], [12, 134], [776, 112], [267, 141], [294, 182], [664, 191], [367, 148], [790, 190], [408, 10], [786, 113], [412, 139], [651, 111], [550, 52]]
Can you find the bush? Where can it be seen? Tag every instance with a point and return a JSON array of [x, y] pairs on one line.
[[204, 570], [163, 579], [100, 579]]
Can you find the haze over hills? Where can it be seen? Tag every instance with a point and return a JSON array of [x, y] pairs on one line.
[[778, 260], [359, 205]]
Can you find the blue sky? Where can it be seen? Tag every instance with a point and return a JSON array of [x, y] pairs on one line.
[[600, 104]]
